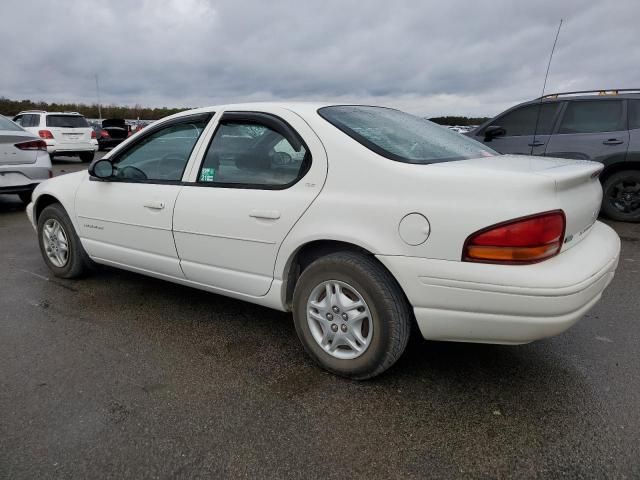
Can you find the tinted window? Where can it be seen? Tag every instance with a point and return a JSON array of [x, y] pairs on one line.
[[634, 113], [252, 155], [162, 155], [522, 121], [31, 120], [67, 121], [592, 116], [6, 124], [403, 137]]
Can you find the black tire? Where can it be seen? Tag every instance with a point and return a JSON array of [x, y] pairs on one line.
[[618, 204], [391, 314], [25, 197], [87, 156], [78, 262]]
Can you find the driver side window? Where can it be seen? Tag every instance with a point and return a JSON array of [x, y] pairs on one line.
[[161, 156]]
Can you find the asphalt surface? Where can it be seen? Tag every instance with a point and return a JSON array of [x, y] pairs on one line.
[[122, 376]]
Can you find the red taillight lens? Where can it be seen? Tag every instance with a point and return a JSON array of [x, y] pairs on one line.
[[523, 240], [46, 134], [104, 134], [93, 134], [32, 145]]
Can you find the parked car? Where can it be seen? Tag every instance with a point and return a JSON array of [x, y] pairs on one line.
[[24, 161], [360, 220], [65, 133], [603, 126], [112, 132]]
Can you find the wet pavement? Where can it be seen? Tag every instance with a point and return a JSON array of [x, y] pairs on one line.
[[122, 376]]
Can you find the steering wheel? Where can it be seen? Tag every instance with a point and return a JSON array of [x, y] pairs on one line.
[[134, 173]]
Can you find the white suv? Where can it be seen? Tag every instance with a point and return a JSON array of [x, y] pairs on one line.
[[65, 133]]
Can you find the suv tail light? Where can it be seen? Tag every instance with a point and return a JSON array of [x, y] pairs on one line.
[[520, 241], [46, 134], [32, 145], [93, 134]]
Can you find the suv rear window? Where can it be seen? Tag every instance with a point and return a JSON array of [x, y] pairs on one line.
[[402, 137], [67, 121]]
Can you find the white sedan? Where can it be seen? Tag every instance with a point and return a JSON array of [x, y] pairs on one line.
[[360, 220]]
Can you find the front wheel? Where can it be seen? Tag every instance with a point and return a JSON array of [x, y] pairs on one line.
[[351, 315], [87, 156], [59, 244], [621, 196]]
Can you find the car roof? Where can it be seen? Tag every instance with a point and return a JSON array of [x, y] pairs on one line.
[[49, 113]]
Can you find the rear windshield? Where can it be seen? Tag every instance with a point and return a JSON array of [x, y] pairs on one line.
[[67, 121], [403, 137], [6, 124]]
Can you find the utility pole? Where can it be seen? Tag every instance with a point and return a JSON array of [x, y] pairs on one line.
[[98, 93]]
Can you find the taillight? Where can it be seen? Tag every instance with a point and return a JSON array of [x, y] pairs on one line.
[[104, 134], [93, 134], [520, 241], [32, 145], [46, 134]]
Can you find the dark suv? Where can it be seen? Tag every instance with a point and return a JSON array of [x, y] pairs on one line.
[[603, 126]]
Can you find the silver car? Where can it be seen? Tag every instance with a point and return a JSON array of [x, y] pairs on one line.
[[24, 161]]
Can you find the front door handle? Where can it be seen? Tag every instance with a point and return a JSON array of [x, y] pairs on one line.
[[613, 141], [266, 214], [536, 144], [154, 204]]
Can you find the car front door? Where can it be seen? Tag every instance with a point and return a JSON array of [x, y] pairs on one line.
[[126, 220], [258, 174], [521, 134], [591, 130]]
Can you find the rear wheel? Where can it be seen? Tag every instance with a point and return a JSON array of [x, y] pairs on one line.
[[60, 246], [87, 156], [350, 315], [621, 196]]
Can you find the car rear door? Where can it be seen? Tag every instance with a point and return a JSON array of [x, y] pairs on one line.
[[258, 174], [521, 134], [591, 130]]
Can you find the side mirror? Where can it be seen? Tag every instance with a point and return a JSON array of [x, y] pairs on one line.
[[101, 169], [492, 132]]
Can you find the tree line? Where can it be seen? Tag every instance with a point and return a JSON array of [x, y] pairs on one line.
[[10, 108], [461, 121]]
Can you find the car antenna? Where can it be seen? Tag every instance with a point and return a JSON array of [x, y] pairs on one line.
[[544, 86]]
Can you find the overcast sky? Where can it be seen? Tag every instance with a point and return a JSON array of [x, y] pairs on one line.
[[426, 57]]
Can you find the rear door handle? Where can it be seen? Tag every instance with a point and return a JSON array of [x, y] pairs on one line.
[[613, 141], [266, 214], [154, 204], [536, 144]]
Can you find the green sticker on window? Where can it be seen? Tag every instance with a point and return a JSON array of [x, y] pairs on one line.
[[207, 174]]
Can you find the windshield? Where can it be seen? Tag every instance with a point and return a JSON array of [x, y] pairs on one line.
[[6, 124], [67, 121], [403, 137]]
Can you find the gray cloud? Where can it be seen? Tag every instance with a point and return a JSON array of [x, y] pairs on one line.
[[427, 57]]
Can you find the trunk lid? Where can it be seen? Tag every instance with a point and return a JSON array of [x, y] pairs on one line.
[[577, 189], [10, 154], [116, 127]]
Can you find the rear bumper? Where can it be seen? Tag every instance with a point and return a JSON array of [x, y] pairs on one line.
[[71, 148], [25, 177], [509, 304]]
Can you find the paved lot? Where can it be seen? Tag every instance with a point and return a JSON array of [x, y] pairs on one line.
[[123, 376]]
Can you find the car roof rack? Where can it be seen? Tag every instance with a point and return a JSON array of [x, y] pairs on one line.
[[600, 93], [31, 111]]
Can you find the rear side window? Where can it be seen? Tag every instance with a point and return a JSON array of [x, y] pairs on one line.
[[522, 121], [28, 120], [251, 155], [592, 116], [67, 121], [634, 114], [402, 137]]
